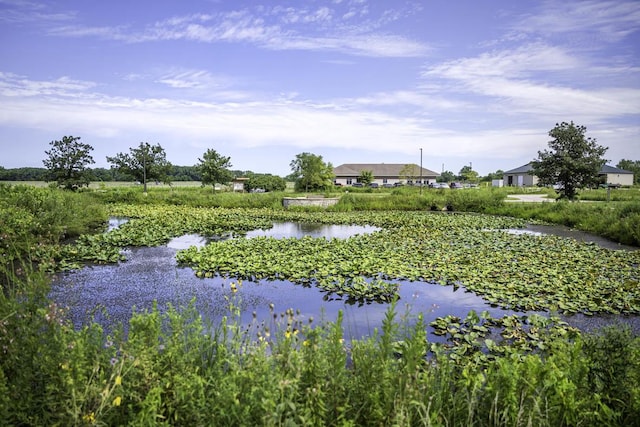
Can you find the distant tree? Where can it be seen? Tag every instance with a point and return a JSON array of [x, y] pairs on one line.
[[25, 174], [447, 176], [499, 174], [467, 174], [214, 168], [265, 181], [67, 162], [366, 177], [409, 173], [143, 163], [185, 173], [631, 166], [311, 173], [573, 161]]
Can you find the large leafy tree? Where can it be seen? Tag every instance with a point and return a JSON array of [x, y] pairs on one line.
[[366, 177], [467, 174], [311, 172], [631, 166], [214, 168], [143, 163], [572, 162], [67, 162]]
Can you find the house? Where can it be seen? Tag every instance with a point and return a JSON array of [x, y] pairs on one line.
[[520, 177], [523, 176], [616, 176], [384, 174]]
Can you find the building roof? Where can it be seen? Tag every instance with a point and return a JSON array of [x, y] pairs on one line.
[[522, 169], [605, 169], [611, 169], [378, 169]]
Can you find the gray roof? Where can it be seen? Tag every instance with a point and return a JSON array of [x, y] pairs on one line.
[[611, 169], [522, 169], [605, 169], [378, 169]]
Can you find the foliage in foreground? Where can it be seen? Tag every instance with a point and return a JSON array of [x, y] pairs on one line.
[[174, 369]]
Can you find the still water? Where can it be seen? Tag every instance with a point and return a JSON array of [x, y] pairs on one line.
[[109, 293]]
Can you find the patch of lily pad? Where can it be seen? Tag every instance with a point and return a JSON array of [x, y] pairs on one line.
[[518, 272]]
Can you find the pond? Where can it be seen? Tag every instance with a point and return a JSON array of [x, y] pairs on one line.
[[151, 274]]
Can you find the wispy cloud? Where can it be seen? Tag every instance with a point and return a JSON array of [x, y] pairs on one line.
[[21, 11], [274, 29], [13, 85], [608, 21], [518, 82]]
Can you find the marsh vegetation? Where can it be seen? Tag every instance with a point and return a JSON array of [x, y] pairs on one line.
[[170, 365]]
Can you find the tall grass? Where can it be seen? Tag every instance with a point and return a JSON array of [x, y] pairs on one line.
[[174, 369], [619, 221]]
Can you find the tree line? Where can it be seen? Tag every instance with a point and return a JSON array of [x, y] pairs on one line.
[[572, 162], [66, 165]]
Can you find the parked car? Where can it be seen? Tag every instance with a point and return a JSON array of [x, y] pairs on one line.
[[398, 184], [374, 185], [456, 186], [357, 184], [439, 185], [388, 185]]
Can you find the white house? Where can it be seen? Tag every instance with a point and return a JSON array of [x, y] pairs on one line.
[[384, 173], [523, 177], [520, 177], [616, 176]]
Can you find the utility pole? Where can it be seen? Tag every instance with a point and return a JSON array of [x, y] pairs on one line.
[[421, 171], [144, 168]]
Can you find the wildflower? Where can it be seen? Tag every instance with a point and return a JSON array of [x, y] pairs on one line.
[[117, 401], [118, 380], [89, 418]]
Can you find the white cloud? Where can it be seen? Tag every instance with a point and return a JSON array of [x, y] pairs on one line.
[[517, 82], [292, 29], [610, 20]]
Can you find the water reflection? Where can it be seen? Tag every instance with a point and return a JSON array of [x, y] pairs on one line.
[[281, 230], [108, 293]]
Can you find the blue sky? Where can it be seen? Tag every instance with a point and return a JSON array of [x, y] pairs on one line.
[[356, 81]]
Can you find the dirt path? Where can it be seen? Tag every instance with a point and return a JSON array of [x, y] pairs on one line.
[[535, 198]]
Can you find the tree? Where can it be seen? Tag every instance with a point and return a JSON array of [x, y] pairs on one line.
[[499, 174], [143, 163], [266, 181], [311, 172], [631, 166], [67, 162], [572, 162], [447, 176], [214, 168], [467, 174], [409, 173], [366, 177]]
